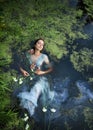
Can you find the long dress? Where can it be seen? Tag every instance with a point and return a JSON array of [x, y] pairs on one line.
[[40, 90]]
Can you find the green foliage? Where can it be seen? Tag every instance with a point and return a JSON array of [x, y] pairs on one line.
[[6, 114], [82, 60], [22, 22], [88, 114], [5, 54], [90, 79], [8, 118], [9, 121], [57, 50], [89, 7]]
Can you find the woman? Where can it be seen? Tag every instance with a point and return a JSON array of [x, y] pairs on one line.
[[41, 88], [38, 47]]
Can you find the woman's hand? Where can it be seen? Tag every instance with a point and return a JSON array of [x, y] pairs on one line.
[[39, 72], [32, 66], [25, 73]]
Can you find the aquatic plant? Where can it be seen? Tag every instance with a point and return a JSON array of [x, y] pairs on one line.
[[71, 113], [88, 114], [67, 126]]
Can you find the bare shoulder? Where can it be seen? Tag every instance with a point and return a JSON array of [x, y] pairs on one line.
[[45, 57]]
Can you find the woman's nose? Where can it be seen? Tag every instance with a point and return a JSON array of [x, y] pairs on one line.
[[41, 45]]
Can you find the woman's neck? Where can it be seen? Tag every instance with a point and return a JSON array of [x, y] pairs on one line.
[[37, 53]]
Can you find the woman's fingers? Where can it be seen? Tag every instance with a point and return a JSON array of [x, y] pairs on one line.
[[39, 72], [25, 73], [33, 66]]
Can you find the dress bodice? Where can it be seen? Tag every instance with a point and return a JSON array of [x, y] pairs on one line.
[[39, 61]]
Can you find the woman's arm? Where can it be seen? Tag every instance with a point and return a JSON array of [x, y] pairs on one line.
[[40, 72]]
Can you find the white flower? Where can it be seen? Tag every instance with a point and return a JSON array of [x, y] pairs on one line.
[[53, 110], [27, 126], [15, 79], [31, 78], [25, 119], [21, 79], [25, 114], [32, 70], [44, 109], [20, 82]]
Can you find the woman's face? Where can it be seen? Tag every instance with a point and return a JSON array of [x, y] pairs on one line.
[[39, 45]]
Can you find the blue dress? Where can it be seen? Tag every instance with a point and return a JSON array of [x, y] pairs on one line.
[[40, 89]]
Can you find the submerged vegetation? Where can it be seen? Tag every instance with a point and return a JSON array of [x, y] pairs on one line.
[[82, 60], [59, 24], [88, 113]]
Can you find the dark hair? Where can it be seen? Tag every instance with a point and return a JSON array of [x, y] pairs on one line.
[[38, 40]]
